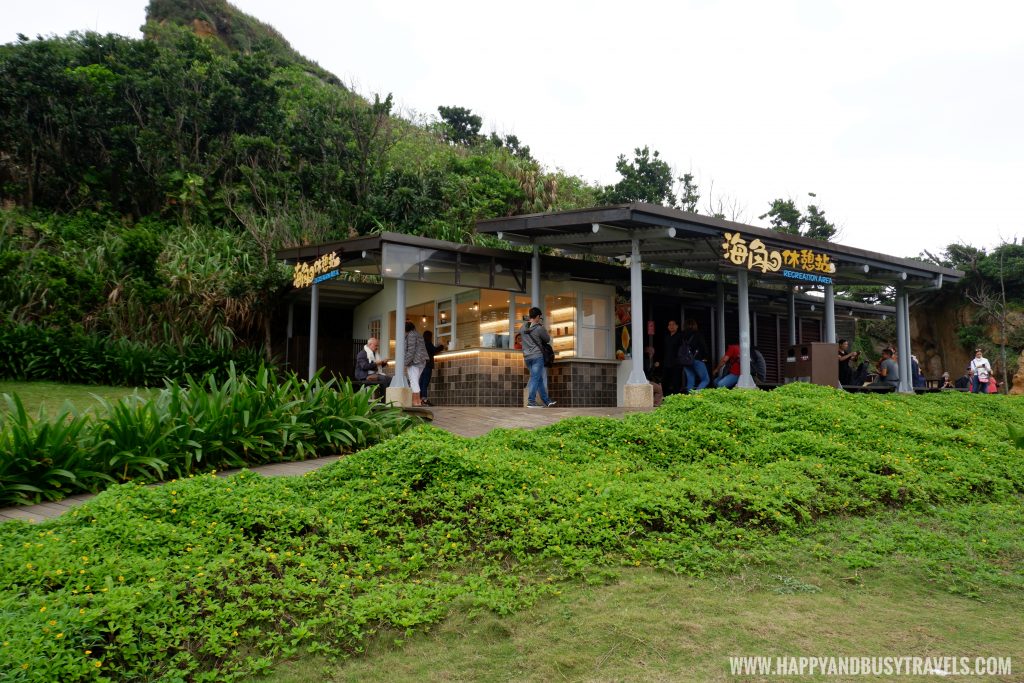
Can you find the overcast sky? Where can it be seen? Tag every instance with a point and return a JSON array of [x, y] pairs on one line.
[[905, 118]]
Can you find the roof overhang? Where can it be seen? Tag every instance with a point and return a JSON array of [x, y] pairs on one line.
[[677, 239]]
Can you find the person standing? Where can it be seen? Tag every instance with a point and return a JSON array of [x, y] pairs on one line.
[[428, 370], [917, 378], [533, 334], [845, 357], [982, 372], [415, 359], [672, 371]]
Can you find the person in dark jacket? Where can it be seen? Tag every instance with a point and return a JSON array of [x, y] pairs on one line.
[[697, 376], [428, 371], [370, 366], [532, 334], [917, 377], [672, 371]]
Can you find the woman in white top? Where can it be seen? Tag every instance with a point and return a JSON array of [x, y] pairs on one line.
[[982, 371]]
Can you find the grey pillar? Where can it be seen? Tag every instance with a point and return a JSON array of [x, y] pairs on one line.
[[636, 316], [792, 318], [314, 329], [830, 315], [535, 278], [906, 335], [745, 381], [399, 380], [719, 320], [902, 348]]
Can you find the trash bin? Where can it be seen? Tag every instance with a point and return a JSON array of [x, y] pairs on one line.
[[814, 362]]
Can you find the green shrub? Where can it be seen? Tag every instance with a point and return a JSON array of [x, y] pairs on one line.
[[196, 427], [32, 353], [206, 578]]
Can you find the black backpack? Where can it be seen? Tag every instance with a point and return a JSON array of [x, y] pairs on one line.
[[685, 355], [545, 349], [548, 353]]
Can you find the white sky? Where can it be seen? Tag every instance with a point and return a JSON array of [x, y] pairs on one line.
[[906, 118]]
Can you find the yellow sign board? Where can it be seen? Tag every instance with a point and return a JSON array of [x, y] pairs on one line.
[[754, 255], [324, 268]]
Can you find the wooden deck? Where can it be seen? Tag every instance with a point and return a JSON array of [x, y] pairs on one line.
[[469, 422]]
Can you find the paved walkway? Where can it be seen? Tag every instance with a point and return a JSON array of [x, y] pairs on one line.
[[457, 420]]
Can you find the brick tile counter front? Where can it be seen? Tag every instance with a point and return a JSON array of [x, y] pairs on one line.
[[493, 377]]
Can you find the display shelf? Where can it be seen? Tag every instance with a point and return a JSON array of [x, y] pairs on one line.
[[562, 328]]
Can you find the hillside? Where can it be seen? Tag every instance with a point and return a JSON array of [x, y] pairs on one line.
[[145, 184], [237, 30]]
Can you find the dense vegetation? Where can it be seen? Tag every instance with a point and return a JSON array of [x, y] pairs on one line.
[[145, 184], [200, 426], [205, 577]]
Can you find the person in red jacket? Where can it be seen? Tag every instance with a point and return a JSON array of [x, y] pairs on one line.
[[731, 359]]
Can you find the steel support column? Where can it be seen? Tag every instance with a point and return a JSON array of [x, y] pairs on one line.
[[745, 381], [314, 329], [636, 302], [399, 380], [830, 315], [902, 348], [535, 278], [719, 320], [792, 318]]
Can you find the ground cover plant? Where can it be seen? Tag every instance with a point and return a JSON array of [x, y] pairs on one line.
[[197, 426], [207, 578], [50, 396]]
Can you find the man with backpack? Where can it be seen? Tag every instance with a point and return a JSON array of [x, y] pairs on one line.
[[534, 338]]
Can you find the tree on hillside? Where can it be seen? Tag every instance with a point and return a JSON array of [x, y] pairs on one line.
[[785, 216], [647, 178], [512, 144], [690, 193], [460, 126]]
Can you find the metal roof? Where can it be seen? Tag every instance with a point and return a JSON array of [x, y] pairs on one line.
[[363, 255], [674, 238]]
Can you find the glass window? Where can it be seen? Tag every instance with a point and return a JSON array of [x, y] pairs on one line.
[[437, 266], [595, 334], [521, 313], [401, 262], [475, 271], [510, 275], [443, 322], [494, 328], [467, 319], [560, 319]]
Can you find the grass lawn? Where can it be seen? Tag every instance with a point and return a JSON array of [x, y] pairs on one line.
[[649, 625], [51, 395]]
